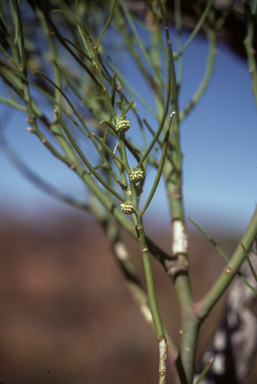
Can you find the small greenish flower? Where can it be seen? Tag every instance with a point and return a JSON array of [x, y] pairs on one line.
[[128, 207], [122, 124], [136, 175]]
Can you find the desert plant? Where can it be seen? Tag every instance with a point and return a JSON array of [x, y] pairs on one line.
[[59, 50]]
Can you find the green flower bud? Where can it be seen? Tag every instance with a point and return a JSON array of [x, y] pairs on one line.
[[128, 207], [136, 175], [129, 191], [122, 124]]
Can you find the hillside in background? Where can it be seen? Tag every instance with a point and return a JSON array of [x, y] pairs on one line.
[[66, 315]]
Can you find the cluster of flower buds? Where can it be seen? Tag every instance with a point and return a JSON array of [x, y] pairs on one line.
[[128, 207], [136, 175], [122, 124]]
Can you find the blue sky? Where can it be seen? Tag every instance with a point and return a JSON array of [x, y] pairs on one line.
[[218, 140]]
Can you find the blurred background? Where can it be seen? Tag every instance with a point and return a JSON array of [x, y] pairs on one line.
[[66, 316]]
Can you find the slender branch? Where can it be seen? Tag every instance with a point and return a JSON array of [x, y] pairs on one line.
[[204, 371], [130, 88], [38, 181], [221, 252], [178, 24], [160, 168], [207, 76], [204, 306], [128, 269], [139, 41], [149, 280], [250, 25], [84, 159], [197, 27], [100, 140], [166, 107], [249, 262], [106, 25], [66, 46]]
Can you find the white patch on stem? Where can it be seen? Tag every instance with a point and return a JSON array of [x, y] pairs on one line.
[[179, 244], [163, 348]]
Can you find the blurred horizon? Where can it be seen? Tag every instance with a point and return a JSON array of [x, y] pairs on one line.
[[66, 310]]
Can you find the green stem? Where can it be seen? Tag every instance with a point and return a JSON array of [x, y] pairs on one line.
[[100, 140], [20, 38], [104, 89], [225, 257], [58, 93], [76, 47], [13, 103], [249, 262], [106, 25], [197, 27], [130, 88], [84, 159], [250, 25], [166, 107], [178, 24], [205, 305], [34, 105], [128, 269], [38, 181], [130, 105], [160, 168], [138, 40], [178, 265], [149, 280], [107, 161], [123, 152], [204, 371], [160, 143], [207, 76], [63, 42], [57, 98]]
